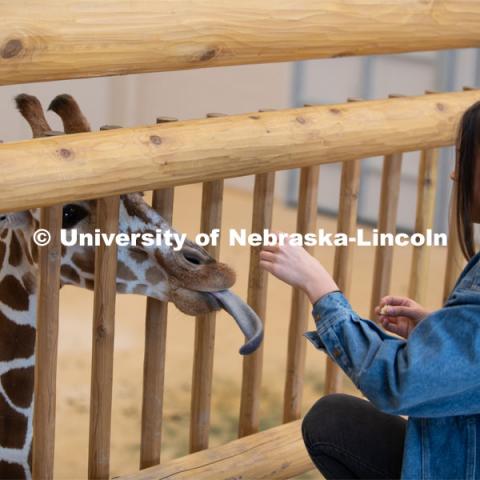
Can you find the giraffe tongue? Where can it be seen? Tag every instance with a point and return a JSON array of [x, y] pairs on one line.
[[248, 321]]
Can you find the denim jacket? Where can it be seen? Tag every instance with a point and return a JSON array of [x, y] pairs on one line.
[[433, 378]]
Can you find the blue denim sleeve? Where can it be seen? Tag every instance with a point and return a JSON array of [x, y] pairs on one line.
[[435, 374]]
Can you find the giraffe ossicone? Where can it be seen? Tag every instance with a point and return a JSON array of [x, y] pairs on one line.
[[189, 277]]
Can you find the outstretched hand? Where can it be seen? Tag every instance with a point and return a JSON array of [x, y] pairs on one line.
[[295, 266], [400, 315]]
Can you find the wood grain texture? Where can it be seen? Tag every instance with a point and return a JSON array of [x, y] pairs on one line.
[[154, 360], [424, 217], [300, 306], [103, 342], [343, 260], [277, 453], [47, 346], [387, 223], [257, 298], [92, 165], [202, 373], [155, 351], [62, 39]]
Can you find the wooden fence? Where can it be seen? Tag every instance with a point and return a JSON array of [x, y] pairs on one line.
[[51, 171]]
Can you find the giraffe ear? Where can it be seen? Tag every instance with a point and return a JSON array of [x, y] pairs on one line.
[[66, 107]]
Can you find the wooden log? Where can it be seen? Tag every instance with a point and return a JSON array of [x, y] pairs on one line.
[[155, 351], [47, 346], [70, 39], [277, 453], [342, 265], [257, 298], [103, 342], [300, 306], [202, 373], [90, 165]]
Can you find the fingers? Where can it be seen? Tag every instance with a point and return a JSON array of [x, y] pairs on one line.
[[396, 300], [267, 256], [393, 327]]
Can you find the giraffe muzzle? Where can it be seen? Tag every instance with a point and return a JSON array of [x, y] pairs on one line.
[[248, 321]]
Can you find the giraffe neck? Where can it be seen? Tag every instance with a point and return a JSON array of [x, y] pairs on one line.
[[17, 357]]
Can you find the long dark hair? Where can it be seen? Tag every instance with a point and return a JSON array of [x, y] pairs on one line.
[[468, 142]]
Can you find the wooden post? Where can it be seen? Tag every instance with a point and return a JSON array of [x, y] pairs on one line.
[[300, 307], [202, 375], [387, 223], [256, 298], [426, 190], [342, 269], [103, 342], [47, 346], [155, 350]]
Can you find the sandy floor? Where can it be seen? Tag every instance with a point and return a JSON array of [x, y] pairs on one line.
[[75, 348]]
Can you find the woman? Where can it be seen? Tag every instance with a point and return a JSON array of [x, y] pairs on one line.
[[431, 375]]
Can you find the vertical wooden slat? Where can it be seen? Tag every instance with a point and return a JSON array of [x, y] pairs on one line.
[[103, 342], [257, 298], [47, 346], [342, 267], [426, 190], [387, 223], [300, 308], [155, 351], [202, 375]]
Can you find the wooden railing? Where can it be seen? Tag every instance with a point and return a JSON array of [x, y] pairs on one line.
[[50, 171]]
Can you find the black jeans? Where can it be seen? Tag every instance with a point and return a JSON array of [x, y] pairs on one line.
[[347, 437]]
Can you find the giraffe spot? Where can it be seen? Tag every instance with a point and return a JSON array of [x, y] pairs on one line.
[[29, 282], [3, 249], [18, 385], [86, 263], [89, 284], [140, 289], [13, 426], [12, 48], [154, 275], [124, 272], [70, 274], [14, 294], [11, 470], [122, 287], [16, 341], [4, 234], [15, 258], [137, 254], [34, 250]]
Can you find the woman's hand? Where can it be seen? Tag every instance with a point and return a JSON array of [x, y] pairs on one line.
[[295, 266], [400, 315]]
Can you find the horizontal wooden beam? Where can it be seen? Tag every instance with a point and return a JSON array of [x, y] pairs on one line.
[[53, 170], [278, 453], [60, 39]]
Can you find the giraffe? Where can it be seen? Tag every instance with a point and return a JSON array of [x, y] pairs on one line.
[[189, 277]]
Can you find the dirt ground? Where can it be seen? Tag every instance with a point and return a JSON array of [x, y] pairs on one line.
[[75, 347]]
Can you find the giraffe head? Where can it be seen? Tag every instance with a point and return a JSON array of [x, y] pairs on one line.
[[179, 272]]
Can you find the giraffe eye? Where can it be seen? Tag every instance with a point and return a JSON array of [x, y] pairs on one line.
[[72, 214]]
